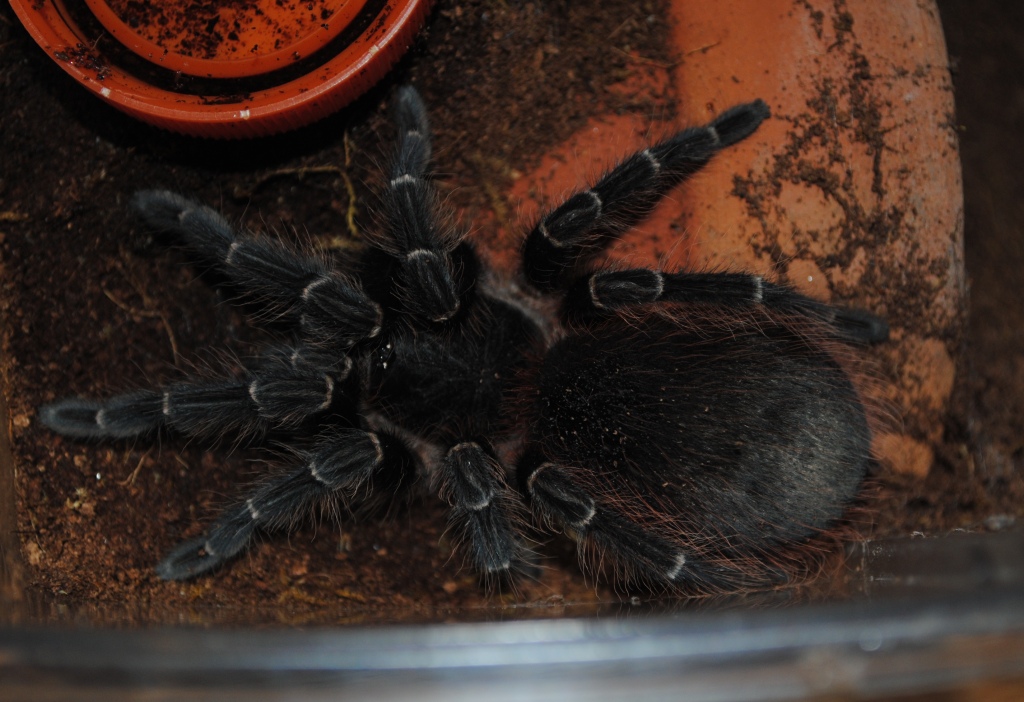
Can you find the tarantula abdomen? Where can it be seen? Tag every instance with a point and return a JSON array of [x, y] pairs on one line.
[[726, 442]]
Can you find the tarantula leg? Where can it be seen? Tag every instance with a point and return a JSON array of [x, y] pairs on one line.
[[328, 306], [279, 394], [120, 417], [610, 290], [588, 221], [430, 282], [483, 509], [561, 503], [339, 467]]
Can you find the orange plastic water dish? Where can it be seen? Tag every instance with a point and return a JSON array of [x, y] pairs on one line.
[[228, 69]]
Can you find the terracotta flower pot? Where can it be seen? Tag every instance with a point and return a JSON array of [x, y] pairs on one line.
[[230, 70]]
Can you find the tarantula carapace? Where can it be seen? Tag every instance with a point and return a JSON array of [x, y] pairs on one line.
[[692, 428]]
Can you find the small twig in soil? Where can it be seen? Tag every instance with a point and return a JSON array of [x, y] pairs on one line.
[[130, 480], [299, 173], [702, 49], [350, 213], [151, 314], [645, 61], [622, 25]]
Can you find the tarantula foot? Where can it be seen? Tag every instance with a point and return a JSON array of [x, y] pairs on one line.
[[119, 417], [188, 560], [861, 327], [228, 536]]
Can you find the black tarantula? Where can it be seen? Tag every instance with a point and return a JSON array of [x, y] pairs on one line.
[[692, 428]]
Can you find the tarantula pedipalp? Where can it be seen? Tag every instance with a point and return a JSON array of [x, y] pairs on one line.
[[694, 427]]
